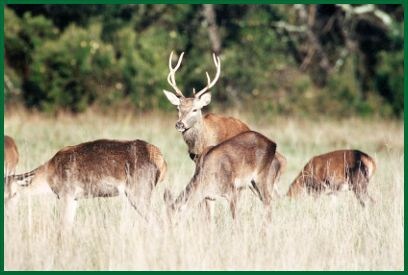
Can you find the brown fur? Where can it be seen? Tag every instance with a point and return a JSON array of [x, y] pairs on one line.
[[213, 130], [333, 171], [244, 160], [11, 155], [101, 168]]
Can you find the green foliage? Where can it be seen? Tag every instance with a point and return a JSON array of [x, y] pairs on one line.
[[58, 57], [390, 79], [74, 71], [22, 37], [143, 69]]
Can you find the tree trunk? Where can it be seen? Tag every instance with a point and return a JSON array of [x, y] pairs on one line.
[[210, 17]]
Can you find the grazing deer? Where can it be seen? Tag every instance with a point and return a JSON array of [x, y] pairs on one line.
[[334, 171], [245, 160], [10, 156], [201, 131], [100, 168]]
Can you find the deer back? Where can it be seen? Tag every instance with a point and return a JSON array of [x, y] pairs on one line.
[[244, 154], [220, 128], [88, 164]]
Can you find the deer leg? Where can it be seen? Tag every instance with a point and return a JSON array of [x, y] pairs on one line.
[[363, 196], [276, 170], [68, 210], [233, 205], [276, 193], [68, 206], [266, 188], [359, 184], [139, 203], [359, 190], [209, 209], [255, 190], [370, 198], [231, 195], [360, 199], [138, 190]]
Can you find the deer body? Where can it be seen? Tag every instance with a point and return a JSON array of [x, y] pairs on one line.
[[335, 171], [211, 130], [200, 131], [100, 168], [11, 155], [244, 160]]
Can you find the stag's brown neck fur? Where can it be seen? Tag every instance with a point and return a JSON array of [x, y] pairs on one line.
[[211, 130]]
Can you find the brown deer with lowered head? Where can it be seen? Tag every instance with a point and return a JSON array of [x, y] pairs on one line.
[[100, 168], [11, 156], [245, 160], [200, 131], [334, 171]]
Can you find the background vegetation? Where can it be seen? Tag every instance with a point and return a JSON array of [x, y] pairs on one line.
[[283, 59]]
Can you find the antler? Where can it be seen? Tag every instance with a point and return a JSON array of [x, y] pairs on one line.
[[171, 79], [210, 84]]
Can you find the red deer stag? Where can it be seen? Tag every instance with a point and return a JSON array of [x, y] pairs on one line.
[[10, 156], [334, 171], [201, 131], [100, 168], [245, 160]]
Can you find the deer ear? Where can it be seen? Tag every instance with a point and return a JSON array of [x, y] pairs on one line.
[[205, 99], [172, 98]]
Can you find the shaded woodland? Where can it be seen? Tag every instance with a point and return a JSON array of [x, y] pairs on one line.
[[282, 59]]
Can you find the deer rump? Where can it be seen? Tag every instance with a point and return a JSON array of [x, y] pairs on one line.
[[335, 171]]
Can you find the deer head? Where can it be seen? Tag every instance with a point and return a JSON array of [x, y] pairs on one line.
[[189, 108]]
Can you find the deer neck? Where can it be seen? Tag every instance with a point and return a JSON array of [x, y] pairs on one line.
[[195, 137]]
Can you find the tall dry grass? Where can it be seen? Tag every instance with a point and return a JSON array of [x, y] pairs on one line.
[[328, 233]]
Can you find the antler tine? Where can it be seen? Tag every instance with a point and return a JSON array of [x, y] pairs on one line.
[[210, 83], [171, 79], [170, 59], [208, 79], [216, 60]]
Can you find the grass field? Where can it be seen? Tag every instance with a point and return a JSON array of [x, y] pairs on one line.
[[328, 233]]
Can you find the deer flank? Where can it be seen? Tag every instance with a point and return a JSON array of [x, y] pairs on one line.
[[335, 171]]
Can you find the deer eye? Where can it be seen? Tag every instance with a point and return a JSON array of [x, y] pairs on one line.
[[195, 110]]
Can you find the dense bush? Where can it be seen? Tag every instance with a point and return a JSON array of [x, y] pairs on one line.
[[118, 55], [74, 71], [390, 79]]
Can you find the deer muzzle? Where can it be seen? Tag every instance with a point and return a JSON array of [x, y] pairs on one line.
[[180, 126]]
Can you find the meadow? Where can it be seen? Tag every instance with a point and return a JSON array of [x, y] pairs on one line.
[[327, 233]]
